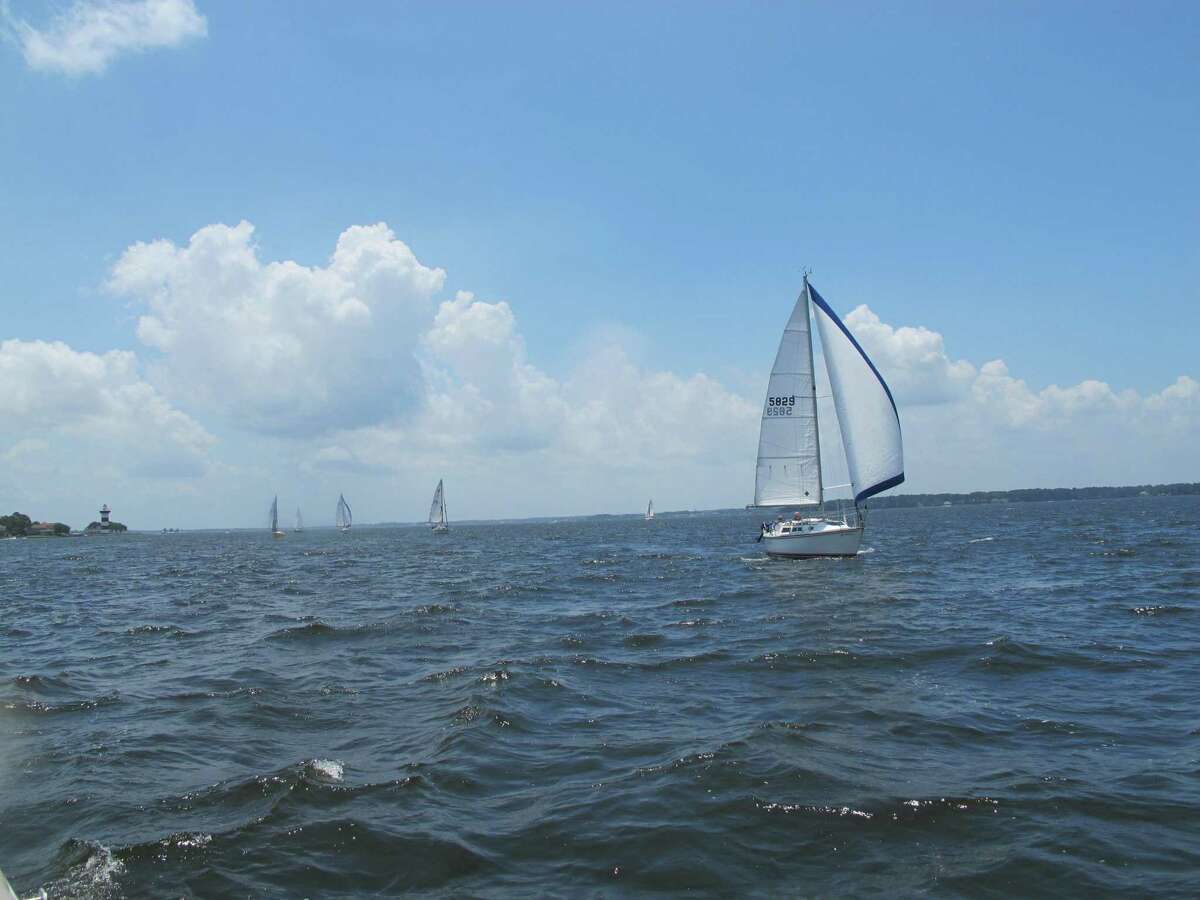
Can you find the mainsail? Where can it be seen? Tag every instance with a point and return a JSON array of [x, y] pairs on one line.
[[344, 517], [437, 509], [866, 412], [789, 455], [650, 510], [299, 520], [275, 514]]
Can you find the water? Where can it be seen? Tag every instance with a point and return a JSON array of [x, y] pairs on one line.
[[990, 700]]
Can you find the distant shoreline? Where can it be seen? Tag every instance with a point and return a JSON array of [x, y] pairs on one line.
[[1035, 495]]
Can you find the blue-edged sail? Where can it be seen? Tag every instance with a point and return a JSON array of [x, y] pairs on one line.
[[789, 454], [867, 415], [344, 517]]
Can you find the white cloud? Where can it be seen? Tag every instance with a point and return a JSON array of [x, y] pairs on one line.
[[354, 373], [279, 347], [609, 422], [968, 427], [914, 357], [92, 33], [75, 423]]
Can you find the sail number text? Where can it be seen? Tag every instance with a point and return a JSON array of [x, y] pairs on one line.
[[781, 406]]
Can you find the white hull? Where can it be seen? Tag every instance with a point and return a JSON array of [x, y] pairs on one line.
[[440, 529], [814, 539]]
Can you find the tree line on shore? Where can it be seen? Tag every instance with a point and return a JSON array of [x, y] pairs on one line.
[[18, 524], [1033, 495]]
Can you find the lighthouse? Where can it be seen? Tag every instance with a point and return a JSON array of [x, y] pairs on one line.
[[104, 514]]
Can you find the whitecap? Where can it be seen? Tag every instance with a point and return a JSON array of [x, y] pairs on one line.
[[329, 769], [980, 540]]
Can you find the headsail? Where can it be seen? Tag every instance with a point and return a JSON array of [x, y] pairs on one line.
[[789, 455], [866, 412], [275, 513], [437, 509]]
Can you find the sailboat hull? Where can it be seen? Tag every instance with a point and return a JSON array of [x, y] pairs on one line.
[[441, 529], [823, 539]]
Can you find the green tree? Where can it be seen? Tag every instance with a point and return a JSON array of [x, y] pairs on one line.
[[17, 524]]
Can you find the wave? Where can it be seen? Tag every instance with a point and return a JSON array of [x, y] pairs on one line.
[[1162, 609], [171, 630], [41, 683], [1012, 657], [915, 811], [36, 707], [92, 872]]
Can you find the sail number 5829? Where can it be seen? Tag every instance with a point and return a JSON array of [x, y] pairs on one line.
[[781, 406]]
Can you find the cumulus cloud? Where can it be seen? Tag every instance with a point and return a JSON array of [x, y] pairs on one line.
[[89, 412], [92, 33], [359, 370], [485, 400], [279, 347], [915, 358], [969, 427]]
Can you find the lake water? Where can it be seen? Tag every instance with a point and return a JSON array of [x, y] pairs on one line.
[[989, 700]]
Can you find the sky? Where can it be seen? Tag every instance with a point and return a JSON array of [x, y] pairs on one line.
[[546, 251]]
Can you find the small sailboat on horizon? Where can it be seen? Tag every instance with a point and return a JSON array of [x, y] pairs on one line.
[[789, 452], [344, 518], [650, 510], [276, 532], [299, 521], [439, 522]]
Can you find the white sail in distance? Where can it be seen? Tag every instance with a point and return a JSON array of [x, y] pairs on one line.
[[299, 520], [274, 514], [344, 518], [789, 455], [650, 510], [866, 412], [437, 509]]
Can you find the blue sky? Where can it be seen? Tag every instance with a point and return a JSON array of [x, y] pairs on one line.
[[1021, 178]]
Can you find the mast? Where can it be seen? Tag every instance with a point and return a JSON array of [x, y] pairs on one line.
[[816, 418]]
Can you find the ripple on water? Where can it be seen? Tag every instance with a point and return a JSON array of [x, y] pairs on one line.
[[585, 703]]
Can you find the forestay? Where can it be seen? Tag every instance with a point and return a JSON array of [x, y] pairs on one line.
[[789, 455], [866, 412]]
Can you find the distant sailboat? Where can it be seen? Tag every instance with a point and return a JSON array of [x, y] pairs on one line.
[[650, 510], [299, 521], [438, 520], [344, 519], [275, 532], [789, 452]]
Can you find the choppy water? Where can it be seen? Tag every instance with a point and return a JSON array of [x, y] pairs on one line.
[[993, 700]]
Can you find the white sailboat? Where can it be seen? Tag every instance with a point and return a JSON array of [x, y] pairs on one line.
[[650, 510], [789, 452], [344, 518], [275, 530], [299, 521], [438, 521]]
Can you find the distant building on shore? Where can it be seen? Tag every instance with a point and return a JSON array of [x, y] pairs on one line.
[[105, 525]]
